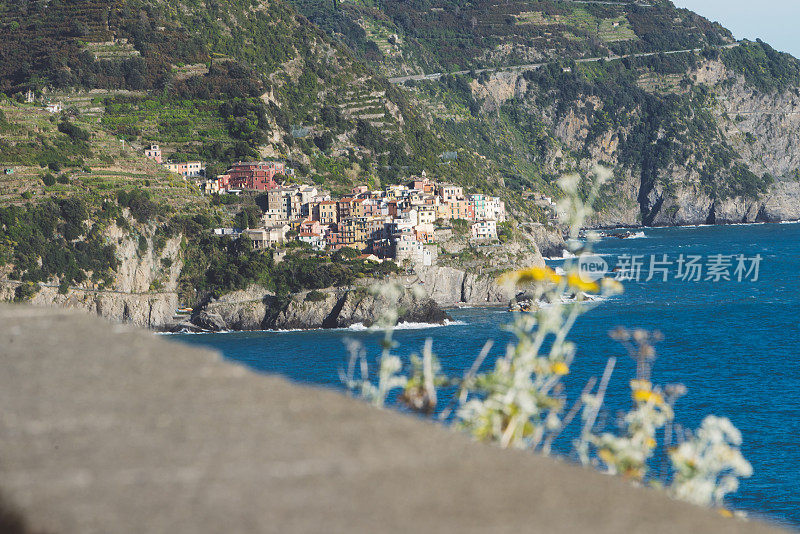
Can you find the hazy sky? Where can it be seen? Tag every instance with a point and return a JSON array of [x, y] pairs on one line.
[[774, 21]]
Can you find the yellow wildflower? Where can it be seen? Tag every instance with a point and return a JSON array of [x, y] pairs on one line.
[[576, 282], [724, 512], [560, 368], [650, 443], [531, 274], [642, 395], [607, 456]]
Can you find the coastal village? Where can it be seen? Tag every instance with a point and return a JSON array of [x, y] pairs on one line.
[[400, 222]]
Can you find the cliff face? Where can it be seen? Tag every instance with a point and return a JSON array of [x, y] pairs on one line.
[[144, 291], [133, 297], [258, 309], [722, 128], [449, 286]]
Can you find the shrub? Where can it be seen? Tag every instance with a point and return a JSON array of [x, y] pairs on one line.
[[315, 296], [138, 201], [345, 253], [48, 179], [25, 291], [76, 133], [248, 217]]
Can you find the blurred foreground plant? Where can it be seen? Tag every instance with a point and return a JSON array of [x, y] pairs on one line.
[[522, 402]]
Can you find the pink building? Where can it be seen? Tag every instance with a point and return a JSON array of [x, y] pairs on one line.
[[463, 209], [153, 153], [255, 175]]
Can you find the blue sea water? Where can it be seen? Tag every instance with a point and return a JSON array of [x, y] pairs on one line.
[[735, 345]]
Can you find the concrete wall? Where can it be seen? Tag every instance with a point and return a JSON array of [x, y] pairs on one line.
[[104, 428]]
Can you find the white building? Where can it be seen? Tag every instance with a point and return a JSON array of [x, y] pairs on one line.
[[408, 248], [484, 229], [266, 237], [315, 240], [273, 217], [232, 232], [451, 193], [488, 208], [426, 214]]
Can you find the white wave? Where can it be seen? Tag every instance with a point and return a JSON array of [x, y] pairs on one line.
[[637, 235], [565, 255], [588, 299], [359, 327], [201, 332]]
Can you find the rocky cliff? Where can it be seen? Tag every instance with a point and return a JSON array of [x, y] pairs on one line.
[[143, 292], [708, 148], [259, 309]]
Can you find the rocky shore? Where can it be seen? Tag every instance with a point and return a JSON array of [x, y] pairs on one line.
[[145, 290], [424, 297], [258, 309]]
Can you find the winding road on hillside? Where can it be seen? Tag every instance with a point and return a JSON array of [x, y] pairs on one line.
[[534, 66]]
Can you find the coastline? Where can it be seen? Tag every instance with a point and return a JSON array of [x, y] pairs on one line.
[[700, 225]]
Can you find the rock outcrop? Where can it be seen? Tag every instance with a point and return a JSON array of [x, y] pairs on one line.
[[258, 309]]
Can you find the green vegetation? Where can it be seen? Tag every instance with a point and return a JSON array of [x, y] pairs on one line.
[[315, 296], [452, 35], [52, 240], [220, 264], [763, 67]]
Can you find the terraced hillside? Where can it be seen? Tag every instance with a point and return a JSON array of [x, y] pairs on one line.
[[258, 81], [52, 156], [402, 37], [261, 80]]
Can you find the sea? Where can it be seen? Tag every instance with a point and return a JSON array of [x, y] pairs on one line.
[[725, 298]]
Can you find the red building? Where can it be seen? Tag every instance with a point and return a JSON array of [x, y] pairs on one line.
[[255, 175]]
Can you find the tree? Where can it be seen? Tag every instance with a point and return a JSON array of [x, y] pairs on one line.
[[248, 217]]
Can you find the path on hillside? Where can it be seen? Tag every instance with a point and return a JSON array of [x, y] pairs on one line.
[[534, 66], [624, 4], [7, 281]]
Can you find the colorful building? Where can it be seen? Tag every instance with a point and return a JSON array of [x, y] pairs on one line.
[[187, 169], [259, 176], [153, 153]]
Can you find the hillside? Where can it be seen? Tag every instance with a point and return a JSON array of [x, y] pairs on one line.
[[406, 36], [502, 98], [691, 121], [257, 81], [698, 128]]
